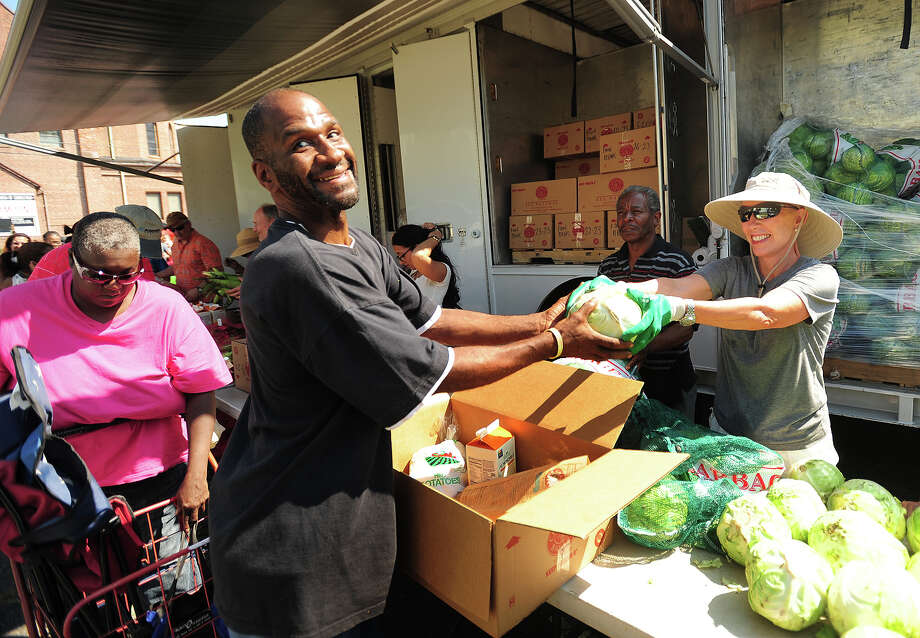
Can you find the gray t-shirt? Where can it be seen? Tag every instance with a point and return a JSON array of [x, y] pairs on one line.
[[770, 385]]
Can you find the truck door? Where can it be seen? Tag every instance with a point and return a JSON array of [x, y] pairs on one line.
[[440, 137], [342, 97]]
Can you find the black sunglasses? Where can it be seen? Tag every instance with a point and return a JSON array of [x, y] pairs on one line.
[[176, 229], [762, 211], [103, 278]]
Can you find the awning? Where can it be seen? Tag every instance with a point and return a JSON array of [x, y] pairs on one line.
[[80, 63]]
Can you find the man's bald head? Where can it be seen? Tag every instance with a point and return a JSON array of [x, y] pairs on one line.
[[254, 121]]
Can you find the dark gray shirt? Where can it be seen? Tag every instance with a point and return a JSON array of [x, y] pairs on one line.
[[302, 520], [770, 385]]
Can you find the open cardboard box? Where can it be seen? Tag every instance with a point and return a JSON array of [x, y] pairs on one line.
[[497, 572]]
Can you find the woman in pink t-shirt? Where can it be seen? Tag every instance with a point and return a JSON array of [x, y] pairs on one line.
[[124, 360]]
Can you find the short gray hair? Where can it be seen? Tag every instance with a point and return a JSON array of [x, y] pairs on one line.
[[651, 197], [99, 233]]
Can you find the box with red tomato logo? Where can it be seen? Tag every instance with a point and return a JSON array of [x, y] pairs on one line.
[[581, 230], [550, 196], [495, 570], [600, 192], [629, 150], [644, 117], [530, 232], [566, 139], [578, 167], [605, 126]]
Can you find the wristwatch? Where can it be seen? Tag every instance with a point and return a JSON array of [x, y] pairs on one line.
[[689, 317]]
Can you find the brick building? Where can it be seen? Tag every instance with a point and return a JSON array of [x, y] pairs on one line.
[[64, 190]]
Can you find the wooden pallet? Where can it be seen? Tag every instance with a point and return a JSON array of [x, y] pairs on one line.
[[559, 256], [865, 371]]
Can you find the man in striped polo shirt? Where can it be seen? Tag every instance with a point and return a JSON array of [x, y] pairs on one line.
[[665, 364]]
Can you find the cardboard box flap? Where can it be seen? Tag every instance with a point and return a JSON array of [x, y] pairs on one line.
[[574, 402], [578, 504]]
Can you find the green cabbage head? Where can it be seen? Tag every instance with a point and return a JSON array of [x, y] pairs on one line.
[[615, 312], [823, 476], [746, 520], [787, 583], [866, 631], [913, 566], [842, 536], [866, 594], [895, 514], [799, 504], [913, 531]]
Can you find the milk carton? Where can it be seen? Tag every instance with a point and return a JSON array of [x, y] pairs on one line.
[[491, 454]]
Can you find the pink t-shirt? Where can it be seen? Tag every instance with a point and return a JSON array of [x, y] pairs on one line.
[[135, 367]]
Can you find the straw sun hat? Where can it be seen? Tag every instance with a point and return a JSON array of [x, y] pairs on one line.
[[246, 241], [819, 236]]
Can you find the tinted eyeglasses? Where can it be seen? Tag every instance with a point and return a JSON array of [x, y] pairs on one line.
[[403, 254], [176, 229], [765, 210], [102, 278]]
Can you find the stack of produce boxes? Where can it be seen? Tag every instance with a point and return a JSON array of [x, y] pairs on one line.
[[594, 161]]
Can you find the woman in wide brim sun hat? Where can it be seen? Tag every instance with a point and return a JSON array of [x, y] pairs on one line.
[[775, 308]]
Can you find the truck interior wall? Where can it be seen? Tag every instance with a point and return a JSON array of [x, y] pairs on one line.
[[843, 67], [208, 178], [533, 90], [686, 134], [249, 194], [755, 81]]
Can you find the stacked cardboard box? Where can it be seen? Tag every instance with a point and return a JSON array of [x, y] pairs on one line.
[[597, 159], [496, 572]]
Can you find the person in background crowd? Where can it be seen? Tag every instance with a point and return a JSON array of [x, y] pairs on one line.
[[53, 238], [262, 219], [192, 254], [418, 249], [665, 364], [143, 218], [150, 228], [166, 244], [129, 367], [9, 264], [342, 345], [775, 307], [247, 241], [27, 257]]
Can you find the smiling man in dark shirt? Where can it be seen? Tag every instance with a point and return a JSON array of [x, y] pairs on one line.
[[665, 365], [342, 345]]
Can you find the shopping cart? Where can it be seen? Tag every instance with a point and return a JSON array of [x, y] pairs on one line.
[[85, 565], [176, 590]]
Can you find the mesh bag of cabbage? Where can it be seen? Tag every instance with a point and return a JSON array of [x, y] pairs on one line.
[[674, 513], [713, 455]]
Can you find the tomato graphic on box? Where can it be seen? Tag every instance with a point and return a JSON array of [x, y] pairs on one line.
[[530, 232], [541, 192], [556, 541], [562, 140], [626, 150], [615, 185]]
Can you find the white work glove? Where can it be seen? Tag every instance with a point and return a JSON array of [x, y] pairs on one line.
[[678, 307]]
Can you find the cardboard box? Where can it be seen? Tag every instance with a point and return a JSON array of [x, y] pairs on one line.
[[240, 356], [497, 572], [614, 239], [550, 196], [605, 126], [530, 232], [644, 117], [567, 139], [629, 150], [580, 230], [600, 192], [578, 167]]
